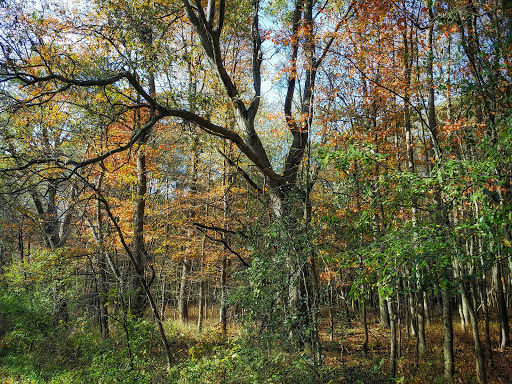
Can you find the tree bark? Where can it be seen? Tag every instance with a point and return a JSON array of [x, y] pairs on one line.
[[102, 267], [182, 297], [502, 306], [422, 347], [139, 252], [449, 364], [479, 356], [365, 328], [393, 339]]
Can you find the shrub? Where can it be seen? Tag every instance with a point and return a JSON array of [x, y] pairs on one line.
[[243, 363]]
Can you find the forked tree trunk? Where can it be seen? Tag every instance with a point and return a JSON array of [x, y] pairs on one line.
[[208, 24]]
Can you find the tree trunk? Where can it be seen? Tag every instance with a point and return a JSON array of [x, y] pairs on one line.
[[393, 339], [413, 319], [383, 305], [200, 315], [483, 290], [502, 306], [448, 336], [422, 347], [102, 267], [479, 356], [223, 318], [365, 328], [145, 286], [182, 297], [137, 299], [228, 180], [332, 302], [464, 314]]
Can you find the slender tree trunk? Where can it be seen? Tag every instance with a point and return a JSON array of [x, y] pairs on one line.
[[449, 364], [479, 356], [186, 264], [200, 315], [426, 305], [145, 286], [422, 348], [502, 306], [202, 278], [485, 304], [383, 310], [412, 311], [365, 328], [223, 318], [228, 179], [102, 267], [393, 339], [182, 298], [332, 320], [163, 300], [462, 314], [138, 297], [314, 309]]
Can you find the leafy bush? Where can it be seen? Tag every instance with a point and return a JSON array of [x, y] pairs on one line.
[[35, 347], [131, 361], [242, 363]]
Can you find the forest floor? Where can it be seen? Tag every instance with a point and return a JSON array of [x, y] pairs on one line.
[[346, 349], [344, 352]]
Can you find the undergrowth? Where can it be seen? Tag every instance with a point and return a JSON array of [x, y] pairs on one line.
[[35, 348]]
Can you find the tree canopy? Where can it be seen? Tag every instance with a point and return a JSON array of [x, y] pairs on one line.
[[290, 164]]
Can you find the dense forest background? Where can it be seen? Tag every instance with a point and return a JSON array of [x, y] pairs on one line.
[[255, 191]]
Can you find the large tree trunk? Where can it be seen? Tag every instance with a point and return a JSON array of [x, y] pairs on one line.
[[282, 186]]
